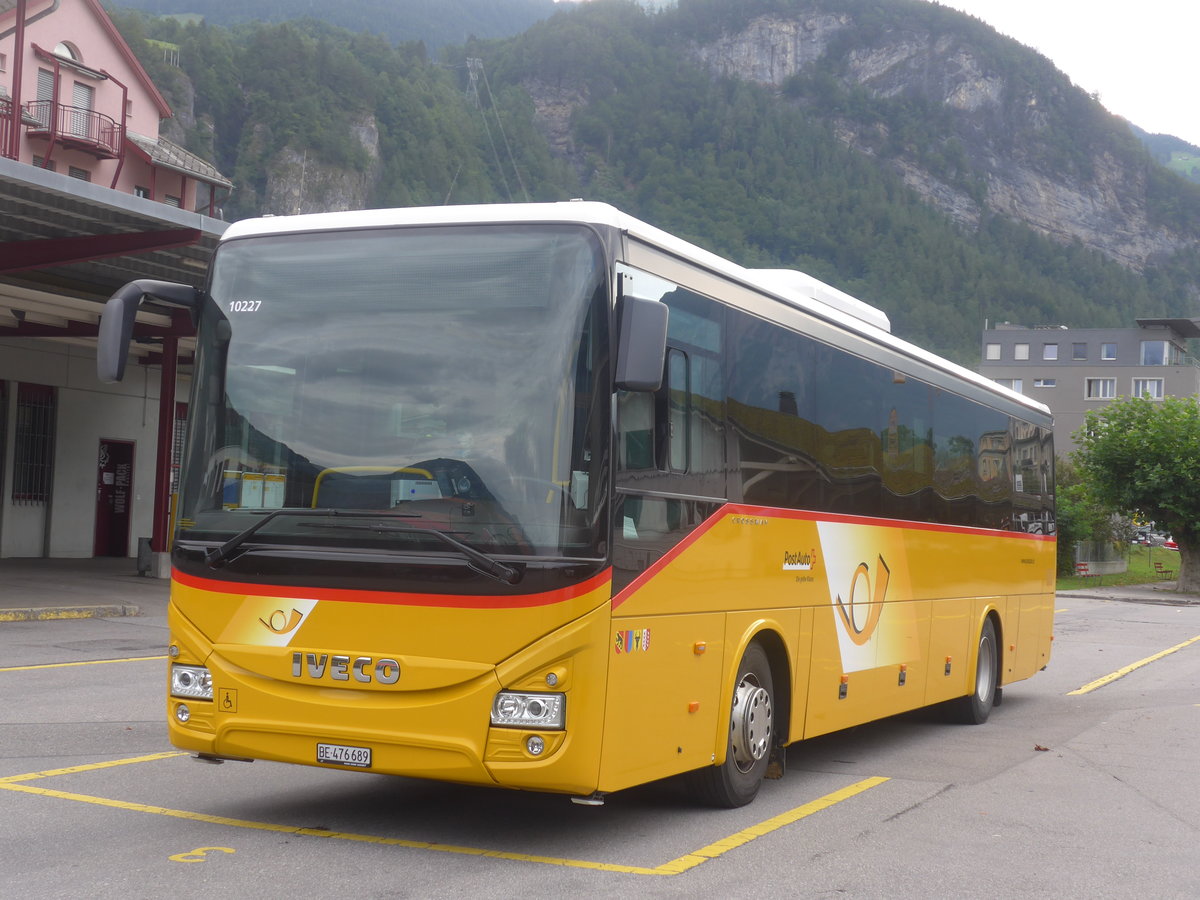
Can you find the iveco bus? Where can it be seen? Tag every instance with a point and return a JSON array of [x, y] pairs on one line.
[[540, 496]]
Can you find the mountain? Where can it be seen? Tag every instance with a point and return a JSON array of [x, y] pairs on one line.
[[1175, 153], [434, 22], [900, 150]]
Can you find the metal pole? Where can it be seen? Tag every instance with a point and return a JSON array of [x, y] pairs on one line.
[[14, 138], [159, 539]]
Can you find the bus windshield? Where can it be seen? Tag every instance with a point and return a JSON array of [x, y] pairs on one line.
[[443, 379]]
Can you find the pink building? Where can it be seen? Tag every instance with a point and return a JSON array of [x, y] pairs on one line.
[[91, 197], [75, 100]]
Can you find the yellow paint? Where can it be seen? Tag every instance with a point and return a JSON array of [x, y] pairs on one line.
[[1121, 673], [58, 613], [90, 662], [673, 867], [199, 854], [90, 767]]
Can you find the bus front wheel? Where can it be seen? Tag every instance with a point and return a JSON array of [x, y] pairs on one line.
[[751, 735], [974, 708]]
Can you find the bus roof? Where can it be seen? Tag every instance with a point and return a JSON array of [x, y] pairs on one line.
[[786, 285]]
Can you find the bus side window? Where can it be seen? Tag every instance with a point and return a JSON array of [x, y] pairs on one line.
[[674, 414], [635, 430]]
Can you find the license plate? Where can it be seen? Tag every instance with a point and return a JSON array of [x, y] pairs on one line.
[[341, 755]]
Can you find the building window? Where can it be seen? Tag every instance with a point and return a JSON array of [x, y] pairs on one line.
[[1100, 388], [1108, 351], [1045, 382], [992, 351], [3, 62], [1148, 386], [1013, 384], [143, 192], [1049, 351], [1159, 353], [172, 201], [39, 162], [81, 174], [1020, 351], [1078, 351], [45, 85], [33, 444], [204, 197]]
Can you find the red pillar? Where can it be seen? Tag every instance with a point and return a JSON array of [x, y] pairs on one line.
[[160, 539], [14, 148]]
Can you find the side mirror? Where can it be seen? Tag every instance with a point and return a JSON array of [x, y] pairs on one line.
[[116, 323], [642, 344]]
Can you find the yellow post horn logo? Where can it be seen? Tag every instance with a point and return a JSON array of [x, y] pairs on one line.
[[861, 633], [281, 622]]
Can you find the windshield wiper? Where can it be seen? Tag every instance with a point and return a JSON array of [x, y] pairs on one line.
[[477, 560], [217, 555]]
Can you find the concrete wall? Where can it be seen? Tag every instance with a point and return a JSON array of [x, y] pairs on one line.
[[87, 411]]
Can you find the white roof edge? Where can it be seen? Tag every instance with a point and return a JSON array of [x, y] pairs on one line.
[[767, 281], [793, 282]]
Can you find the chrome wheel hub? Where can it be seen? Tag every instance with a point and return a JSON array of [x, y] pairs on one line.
[[752, 723]]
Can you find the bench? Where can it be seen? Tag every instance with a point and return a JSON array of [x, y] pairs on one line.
[[1082, 570], [1163, 572]]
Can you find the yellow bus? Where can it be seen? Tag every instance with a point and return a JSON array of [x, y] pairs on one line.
[[539, 496]]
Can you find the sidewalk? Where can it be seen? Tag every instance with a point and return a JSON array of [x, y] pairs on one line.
[[1159, 592], [41, 589]]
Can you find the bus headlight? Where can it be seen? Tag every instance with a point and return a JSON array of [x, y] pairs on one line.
[[191, 681], [514, 709]]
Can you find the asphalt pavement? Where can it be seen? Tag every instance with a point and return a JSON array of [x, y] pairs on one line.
[[46, 589]]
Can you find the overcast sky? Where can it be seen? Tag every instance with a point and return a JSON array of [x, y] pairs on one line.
[[1139, 57]]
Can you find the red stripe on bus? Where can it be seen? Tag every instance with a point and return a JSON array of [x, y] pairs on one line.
[[767, 512], [345, 595]]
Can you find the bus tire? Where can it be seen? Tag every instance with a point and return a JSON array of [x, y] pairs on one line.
[[751, 736], [974, 708]]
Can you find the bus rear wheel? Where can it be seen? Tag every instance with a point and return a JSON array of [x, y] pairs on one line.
[[751, 736], [974, 708]]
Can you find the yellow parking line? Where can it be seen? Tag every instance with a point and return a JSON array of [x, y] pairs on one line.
[[91, 767], [674, 867], [712, 851], [1121, 673], [89, 662]]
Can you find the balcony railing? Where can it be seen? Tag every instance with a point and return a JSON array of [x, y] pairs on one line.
[[75, 127], [6, 124]]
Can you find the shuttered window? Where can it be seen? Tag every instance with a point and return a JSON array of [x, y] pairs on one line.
[[33, 444]]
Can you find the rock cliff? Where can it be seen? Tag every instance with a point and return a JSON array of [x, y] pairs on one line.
[[1002, 123], [297, 182]]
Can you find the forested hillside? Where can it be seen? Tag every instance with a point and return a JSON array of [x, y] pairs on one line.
[[436, 23], [862, 173], [1175, 153]]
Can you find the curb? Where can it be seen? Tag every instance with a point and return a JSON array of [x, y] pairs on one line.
[[52, 613]]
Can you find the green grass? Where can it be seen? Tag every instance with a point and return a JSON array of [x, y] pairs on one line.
[[1186, 164], [1140, 571]]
